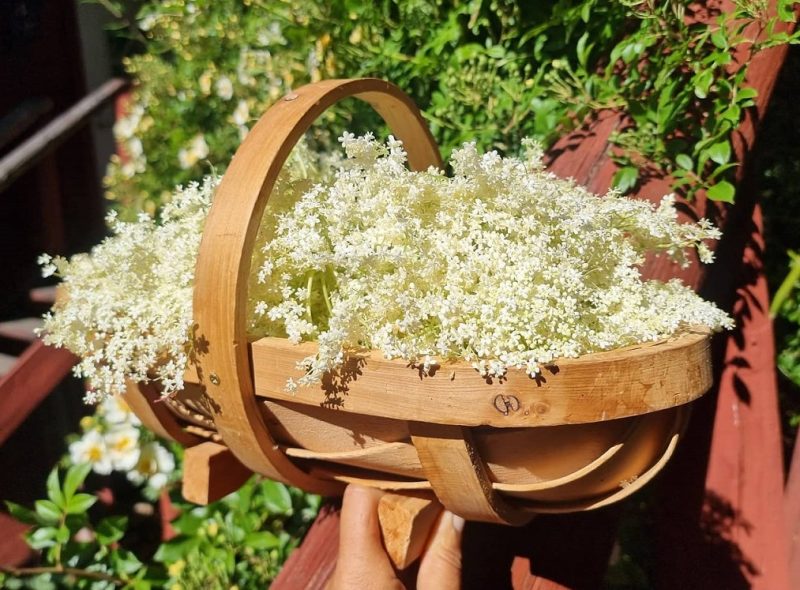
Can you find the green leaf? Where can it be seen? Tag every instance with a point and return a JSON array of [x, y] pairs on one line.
[[276, 497], [188, 523], [720, 152], [62, 534], [48, 512], [746, 93], [125, 562], [21, 513], [176, 549], [722, 191], [42, 538], [75, 477], [684, 161], [702, 83], [719, 39], [54, 489], [80, 503], [583, 50], [261, 540], [111, 529], [625, 178]]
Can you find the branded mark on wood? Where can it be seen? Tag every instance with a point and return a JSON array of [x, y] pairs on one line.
[[506, 404]]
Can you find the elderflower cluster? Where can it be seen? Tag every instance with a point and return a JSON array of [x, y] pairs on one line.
[[125, 313], [501, 264], [114, 440], [126, 307]]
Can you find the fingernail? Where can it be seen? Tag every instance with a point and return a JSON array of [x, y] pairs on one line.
[[458, 523]]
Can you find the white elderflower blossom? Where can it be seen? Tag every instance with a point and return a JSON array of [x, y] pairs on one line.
[[502, 265], [128, 313], [115, 410]]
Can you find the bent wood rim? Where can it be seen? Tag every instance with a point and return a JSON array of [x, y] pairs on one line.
[[223, 264], [592, 388], [676, 433]]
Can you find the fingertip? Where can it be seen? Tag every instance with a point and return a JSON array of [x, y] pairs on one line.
[[440, 567], [458, 523]]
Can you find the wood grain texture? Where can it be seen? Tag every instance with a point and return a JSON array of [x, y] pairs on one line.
[[145, 401], [406, 522], [211, 472], [591, 388], [220, 298], [458, 475]]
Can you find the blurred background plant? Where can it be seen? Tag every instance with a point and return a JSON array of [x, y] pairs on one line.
[[240, 541], [493, 72], [489, 71]]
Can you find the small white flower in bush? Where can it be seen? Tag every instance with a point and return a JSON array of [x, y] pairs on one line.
[[91, 448], [502, 265]]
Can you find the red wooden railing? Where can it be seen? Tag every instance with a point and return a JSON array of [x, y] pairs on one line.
[[718, 521]]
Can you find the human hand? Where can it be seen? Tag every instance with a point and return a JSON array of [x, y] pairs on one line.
[[363, 563]]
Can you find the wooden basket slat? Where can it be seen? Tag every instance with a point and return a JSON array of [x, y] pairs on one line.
[[592, 388]]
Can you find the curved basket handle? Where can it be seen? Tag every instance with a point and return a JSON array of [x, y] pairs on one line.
[[223, 265]]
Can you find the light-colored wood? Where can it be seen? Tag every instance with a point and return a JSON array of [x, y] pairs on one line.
[[548, 453], [211, 472], [620, 468], [397, 458], [591, 388], [458, 475], [627, 488], [145, 401], [223, 266], [406, 523], [587, 432], [321, 429]]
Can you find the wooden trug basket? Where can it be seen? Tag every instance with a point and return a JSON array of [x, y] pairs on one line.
[[589, 432]]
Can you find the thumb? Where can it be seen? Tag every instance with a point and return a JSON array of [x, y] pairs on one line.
[[440, 568]]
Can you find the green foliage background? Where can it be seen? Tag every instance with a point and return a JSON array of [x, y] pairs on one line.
[[492, 72], [489, 71]]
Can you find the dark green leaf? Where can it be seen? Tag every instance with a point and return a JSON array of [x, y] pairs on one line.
[[125, 561], [722, 191], [21, 513], [111, 529]]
